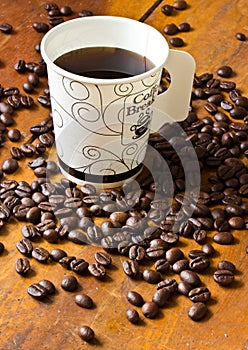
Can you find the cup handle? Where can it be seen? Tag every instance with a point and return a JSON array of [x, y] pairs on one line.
[[174, 102]]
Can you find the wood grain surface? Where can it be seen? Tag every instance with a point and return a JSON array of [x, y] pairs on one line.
[[26, 323]]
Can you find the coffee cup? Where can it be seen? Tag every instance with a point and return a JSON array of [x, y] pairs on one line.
[[105, 108]]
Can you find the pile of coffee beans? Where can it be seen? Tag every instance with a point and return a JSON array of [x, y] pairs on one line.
[[139, 220]]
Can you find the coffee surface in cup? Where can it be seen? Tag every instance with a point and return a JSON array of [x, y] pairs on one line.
[[104, 62]]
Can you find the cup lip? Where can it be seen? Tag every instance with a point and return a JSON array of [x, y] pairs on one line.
[[99, 81]]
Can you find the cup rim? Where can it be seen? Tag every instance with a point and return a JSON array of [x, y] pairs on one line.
[[100, 81]]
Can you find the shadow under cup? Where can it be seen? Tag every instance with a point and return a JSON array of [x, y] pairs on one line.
[[102, 125]]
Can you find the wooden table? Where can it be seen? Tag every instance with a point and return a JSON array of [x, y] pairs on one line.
[[28, 324]]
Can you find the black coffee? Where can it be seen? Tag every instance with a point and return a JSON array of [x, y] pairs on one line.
[[104, 62]]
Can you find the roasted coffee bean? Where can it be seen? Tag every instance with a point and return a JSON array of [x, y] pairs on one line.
[[135, 298], [37, 291], [162, 265], [6, 28], [199, 263], [223, 277], [14, 135], [240, 36], [103, 258], [167, 10], [24, 246], [44, 101], [169, 284], [197, 311], [22, 266], [6, 119], [151, 276], [10, 166], [66, 261], [184, 288], [41, 27], [28, 149], [86, 333], [150, 309], [47, 139], [191, 277], [194, 253], [176, 42], [180, 5], [54, 21], [180, 265], [66, 10], [29, 231], [169, 237], [226, 265], [48, 285], [97, 270], [223, 238], [16, 153], [161, 296], [95, 233], [200, 236], [33, 215], [57, 254], [83, 300], [131, 268], [77, 236], [132, 316], [200, 294], [156, 252], [69, 283], [236, 222], [79, 266], [170, 29], [225, 71], [208, 249], [4, 213], [51, 235], [174, 254], [184, 27], [227, 85], [85, 13], [40, 254]]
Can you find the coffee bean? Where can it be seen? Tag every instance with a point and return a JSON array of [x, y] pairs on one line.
[[184, 288], [10, 166], [66, 10], [180, 265], [226, 265], [199, 263], [69, 283], [161, 296], [167, 10], [197, 311], [176, 41], [57, 254], [86, 333], [83, 300], [225, 71], [200, 294], [190, 277], [6, 28], [37, 291], [66, 261], [41, 27], [180, 5], [79, 266], [184, 27], [24, 246], [169, 284], [132, 316], [48, 285], [29, 231], [223, 238], [240, 36], [135, 298], [223, 277], [150, 309], [40, 254], [170, 29], [14, 135], [103, 258], [162, 265], [151, 276], [85, 13], [174, 254], [77, 236], [97, 270], [131, 268], [208, 249], [22, 266]]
